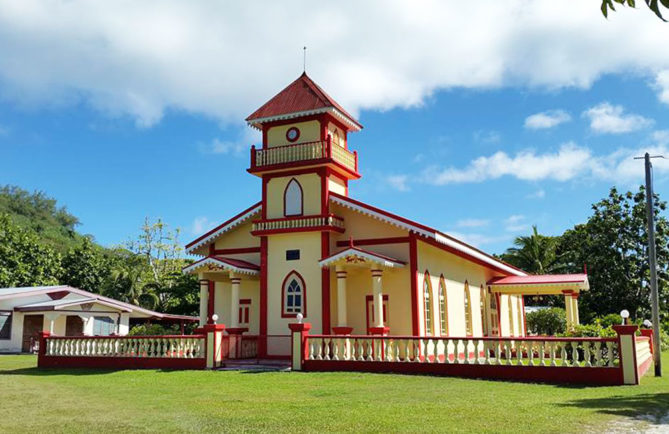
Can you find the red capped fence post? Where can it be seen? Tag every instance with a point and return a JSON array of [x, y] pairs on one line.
[[299, 347], [41, 353], [627, 353], [213, 338], [649, 334]]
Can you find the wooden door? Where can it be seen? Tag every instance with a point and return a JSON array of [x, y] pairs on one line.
[[32, 325], [74, 326]]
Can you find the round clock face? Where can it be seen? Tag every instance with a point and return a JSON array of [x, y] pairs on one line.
[[292, 134]]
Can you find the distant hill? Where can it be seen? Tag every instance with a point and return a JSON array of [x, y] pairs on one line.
[[40, 213]]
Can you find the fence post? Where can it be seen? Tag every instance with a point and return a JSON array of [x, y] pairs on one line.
[[627, 353], [213, 340], [299, 349], [41, 353]]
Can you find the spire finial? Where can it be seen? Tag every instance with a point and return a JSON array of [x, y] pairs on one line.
[[304, 59]]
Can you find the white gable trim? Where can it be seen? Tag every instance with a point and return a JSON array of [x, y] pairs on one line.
[[229, 226], [367, 257], [220, 264], [255, 122]]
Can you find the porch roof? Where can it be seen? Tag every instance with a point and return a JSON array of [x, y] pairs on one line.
[[216, 263], [540, 284], [68, 302], [357, 256]]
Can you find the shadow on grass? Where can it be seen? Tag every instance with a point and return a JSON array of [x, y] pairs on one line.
[[651, 407], [46, 372]]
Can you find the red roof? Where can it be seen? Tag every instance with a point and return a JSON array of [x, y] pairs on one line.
[[539, 279], [302, 95], [237, 262]]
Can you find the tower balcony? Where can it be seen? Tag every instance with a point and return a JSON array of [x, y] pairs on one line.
[[304, 155], [327, 222]]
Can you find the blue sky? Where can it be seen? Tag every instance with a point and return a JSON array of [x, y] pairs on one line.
[[479, 148]]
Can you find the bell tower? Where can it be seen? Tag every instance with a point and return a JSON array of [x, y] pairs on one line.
[[304, 156]]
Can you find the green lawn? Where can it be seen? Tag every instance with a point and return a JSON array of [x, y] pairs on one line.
[[150, 401]]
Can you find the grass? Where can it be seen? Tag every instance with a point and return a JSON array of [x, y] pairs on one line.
[[33, 400]]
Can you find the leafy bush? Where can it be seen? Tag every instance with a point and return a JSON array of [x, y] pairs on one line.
[[154, 330], [547, 321], [590, 330], [610, 319]]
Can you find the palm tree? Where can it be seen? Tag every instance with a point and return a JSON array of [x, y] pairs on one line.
[[127, 285], [536, 253]]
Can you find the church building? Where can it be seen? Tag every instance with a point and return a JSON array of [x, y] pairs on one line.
[[307, 251]]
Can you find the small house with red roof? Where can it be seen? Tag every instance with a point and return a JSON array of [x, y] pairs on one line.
[[308, 251]]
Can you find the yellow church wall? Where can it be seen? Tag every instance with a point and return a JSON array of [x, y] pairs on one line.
[[311, 194], [337, 185], [456, 271], [237, 238], [309, 244], [310, 131], [396, 286], [249, 288]]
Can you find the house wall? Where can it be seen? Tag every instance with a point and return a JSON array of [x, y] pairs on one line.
[[310, 131], [239, 237]]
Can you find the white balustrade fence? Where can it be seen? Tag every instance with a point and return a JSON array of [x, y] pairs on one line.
[[565, 352], [303, 152], [179, 347]]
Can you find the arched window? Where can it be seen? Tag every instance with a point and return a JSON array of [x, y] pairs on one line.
[[292, 198], [427, 304], [294, 296], [494, 315], [468, 311], [484, 311], [336, 138], [443, 307]]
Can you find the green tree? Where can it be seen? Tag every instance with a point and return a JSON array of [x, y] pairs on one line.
[[536, 253], [613, 244], [126, 284], [24, 261], [653, 5], [86, 267]]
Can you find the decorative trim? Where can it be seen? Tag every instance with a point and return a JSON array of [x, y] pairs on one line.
[[330, 110], [297, 137], [355, 255], [214, 262], [459, 247], [224, 227]]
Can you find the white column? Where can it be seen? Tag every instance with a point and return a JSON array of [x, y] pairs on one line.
[[377, 290], [204, 299], [568, 309], [50, 322], [341, 297], [235, 282]]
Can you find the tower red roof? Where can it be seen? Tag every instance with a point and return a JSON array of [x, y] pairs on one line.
[[302, 96]]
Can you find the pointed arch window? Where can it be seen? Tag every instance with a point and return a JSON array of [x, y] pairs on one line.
[[292, 198], [512, 323], [484, 311], [293, 296], [443, 307], [427, 304], [468, 311]]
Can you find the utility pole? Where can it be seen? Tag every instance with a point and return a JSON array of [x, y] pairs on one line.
[[654, 298]]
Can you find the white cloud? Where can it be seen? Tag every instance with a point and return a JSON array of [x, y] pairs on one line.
[[607, 118], [547, 119], [201, 225], [224, 59], [569, 163], [539, 194], [217, 146], [516, 223], [570, 160], [472, 223], [398, 182], [487, 136], [662, 85], [479, 240]]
